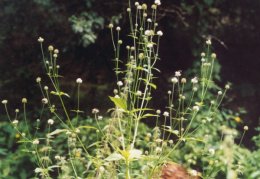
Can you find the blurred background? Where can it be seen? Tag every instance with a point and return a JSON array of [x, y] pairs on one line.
[[79, 30]]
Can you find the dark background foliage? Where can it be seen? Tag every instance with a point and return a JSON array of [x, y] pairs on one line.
[[79, 30]]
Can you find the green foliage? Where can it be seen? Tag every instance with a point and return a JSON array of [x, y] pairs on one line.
[[87, 24]]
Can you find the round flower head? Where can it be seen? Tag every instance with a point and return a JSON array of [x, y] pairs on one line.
[[158, 111], [202, 54], [220, 93], [208, 42], [24, 100], [158, 149], [213, 55], [38, 79], [149, 20], [166, 114], [196, 108], [36, 142], [50, 121], [4, 101], [169, 92], [100, 117], [183, 80], [174, 80], [15, 122], [110, 26], [194, 80], [139, 93], [159, 33], [119, 83], [118, 28], [79, 80], [55, 55], [157, 2], [120, 42], [56, 51], [136, 3], [95, 111], [178, 73], [227, 86], [44, 100], [246, 128], [40, 39], [128, 9], [46, 88], [150, 45], [50, 48], [17, 110]]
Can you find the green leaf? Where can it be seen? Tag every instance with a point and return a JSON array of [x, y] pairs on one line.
[[88, 127], [57, 131], [59, 93], [119, 102], [148, 115], [114, 157]]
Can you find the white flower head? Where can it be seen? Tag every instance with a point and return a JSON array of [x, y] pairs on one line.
[[208, 42], [128, 9], [157, 2], [100, 117], [79, 80], [158, 111], [147, 32], [4, 101], [178, 73], [149, 20], [196, 108], [213, 55], [137, 4], [24, 100], [158, 149], [194, 173], [212, 151], [15, 122], [174, 80], [50, 48], [203, 54], [110, 26], [165, 114], [38, 79], [139, 93], [227, 86], [44, 100], [50, 121], [40, 39], [17, 110], [118, 28], [246, 128], [120, 42], [183, 80], [36, 142], [150, 45], [95, 111], [220, 93], [56, 51], [169, 92], [194, 80], [46, 88], [160, 33], [119, 83], [55, 55], [101, 169]]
